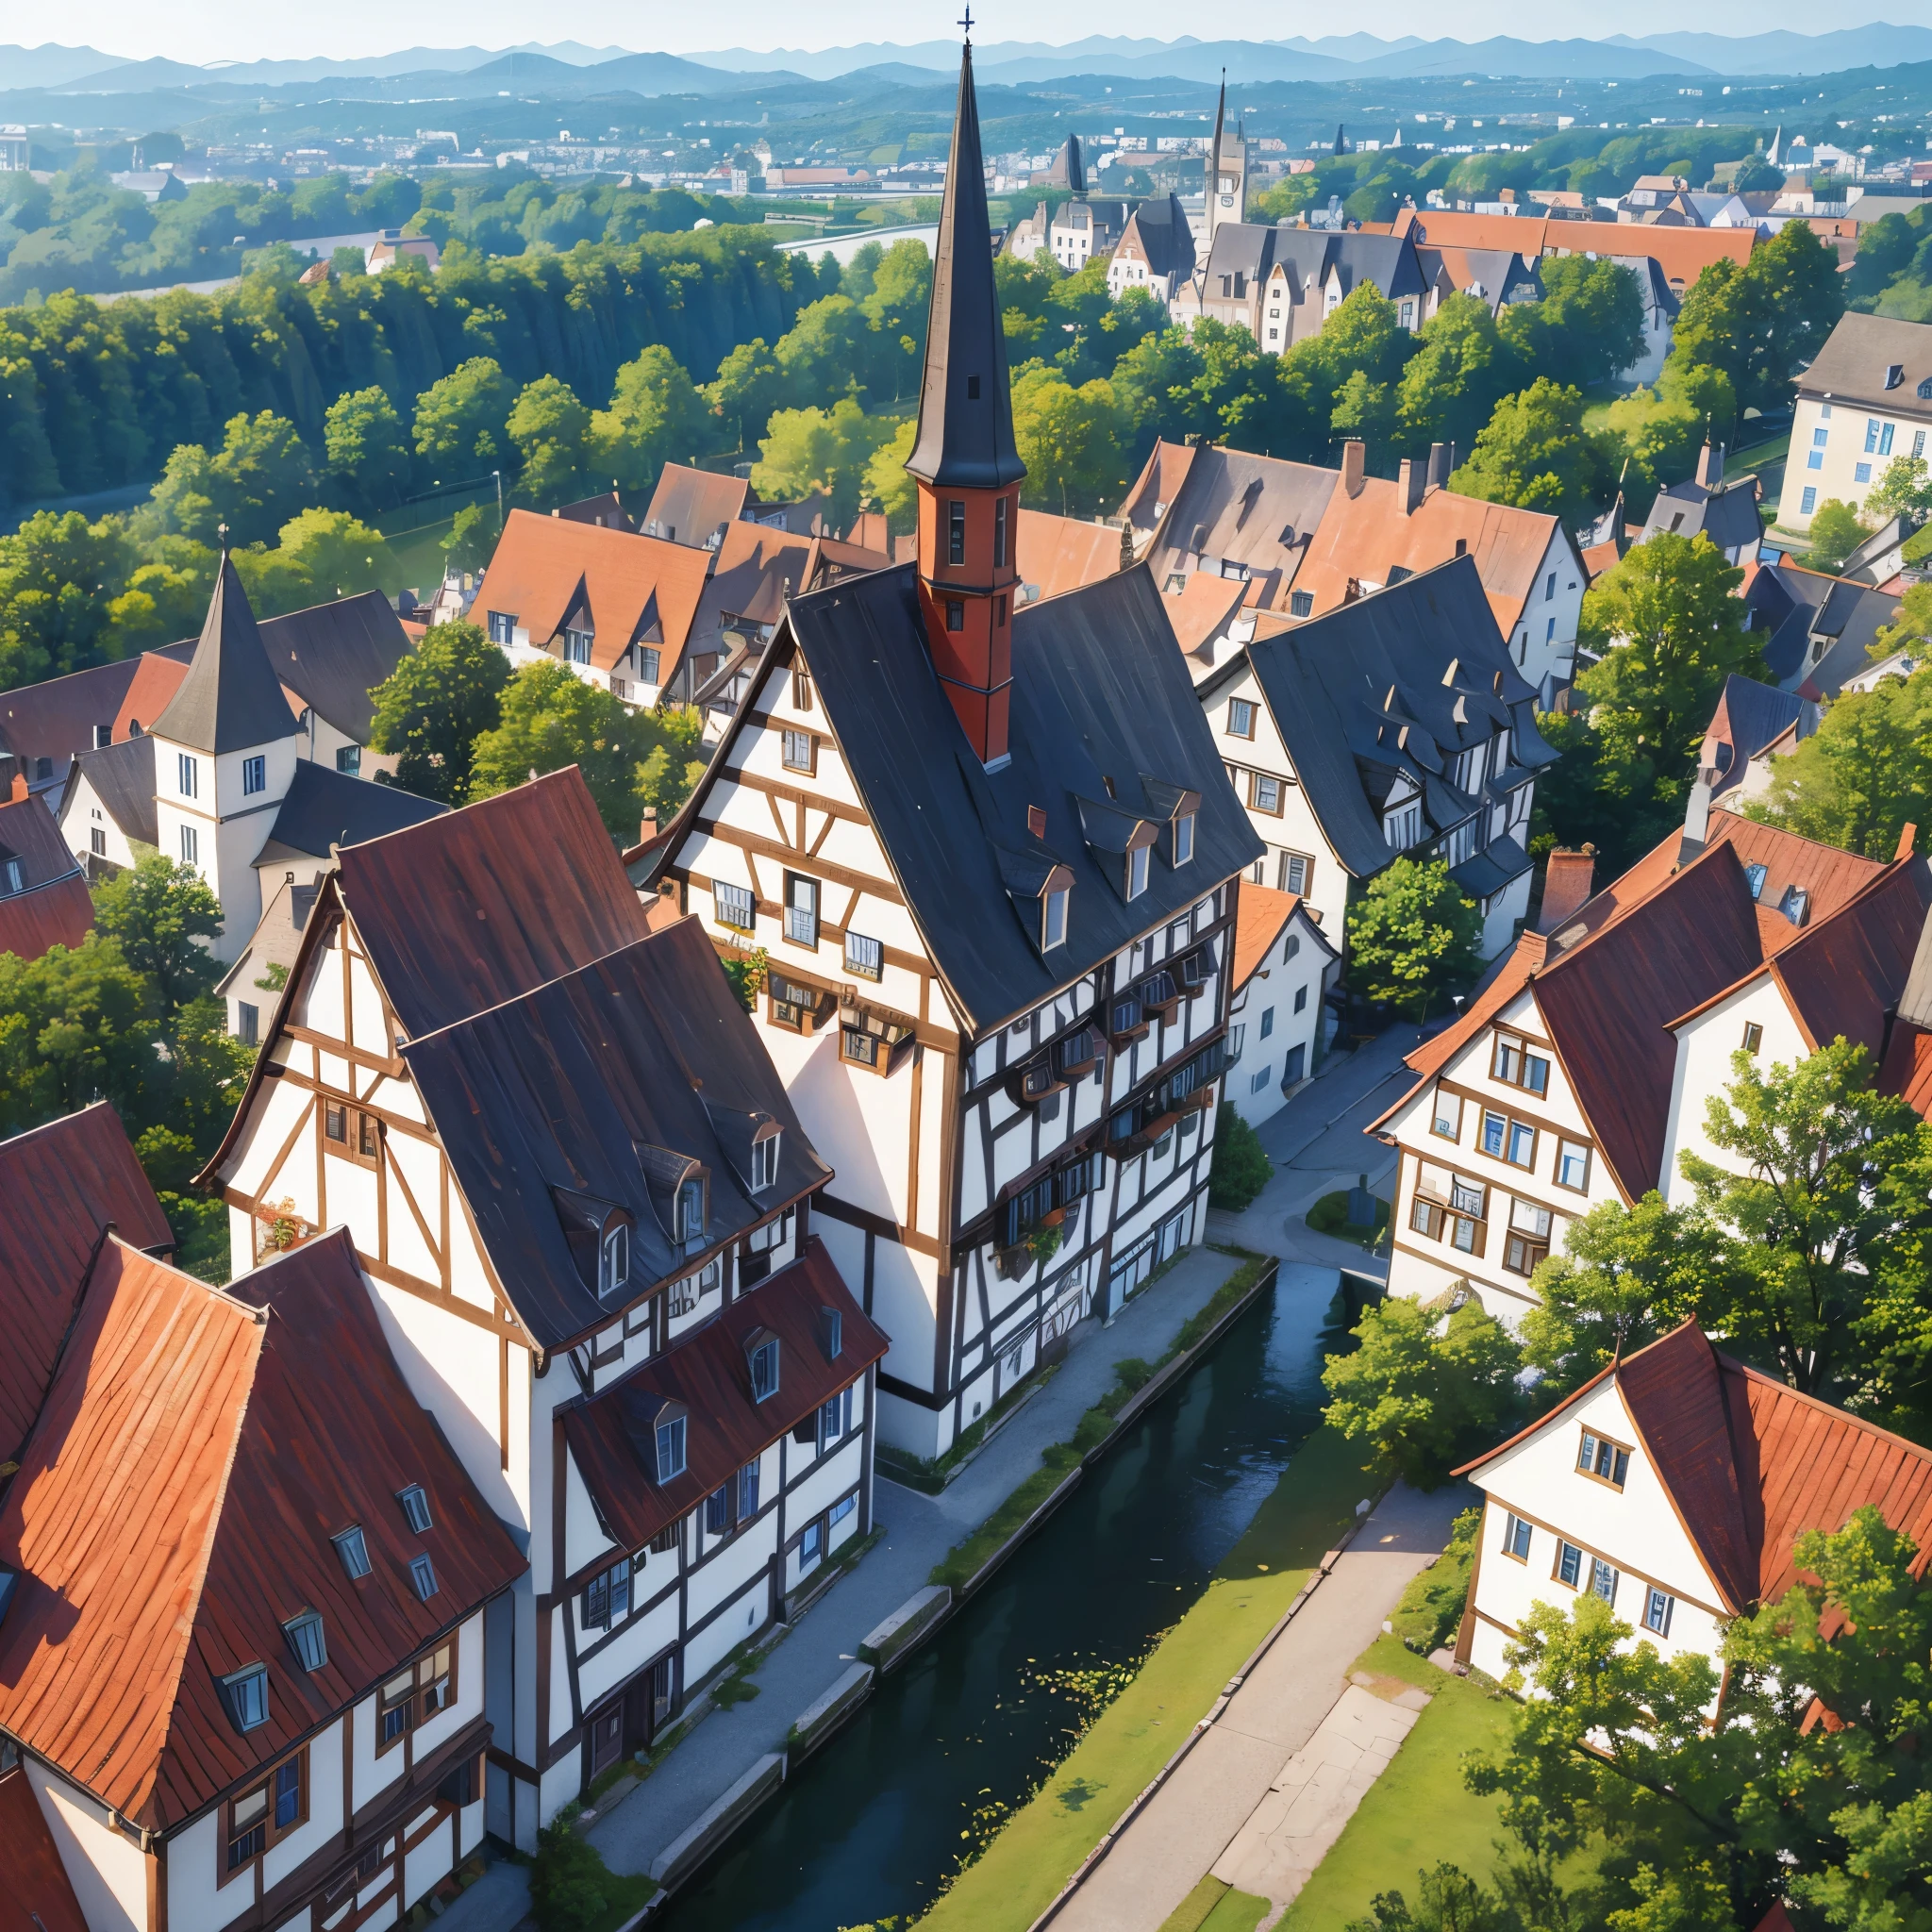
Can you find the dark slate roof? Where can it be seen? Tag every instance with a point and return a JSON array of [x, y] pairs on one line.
[[60, 716], [1167, 235], [326, 807], [476, 907], [1858, 354], [965, 442], [1750, 716], [1795, 605], [1100, 692], [231, 697], [646, 1048], [1728, 515], [1066, 171], [1492, 869], [1386, 262], [333, 654], [1252, 509], [1366, 692], [123, 777]]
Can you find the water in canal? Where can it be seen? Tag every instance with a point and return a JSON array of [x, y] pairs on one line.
[[873, 1825]]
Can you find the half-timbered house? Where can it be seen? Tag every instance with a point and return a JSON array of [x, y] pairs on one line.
[[572, 1175], [990, 858]]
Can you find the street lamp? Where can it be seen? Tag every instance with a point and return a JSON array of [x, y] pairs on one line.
[[498, 475]]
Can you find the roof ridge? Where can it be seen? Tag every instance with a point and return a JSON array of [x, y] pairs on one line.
[[1731, 1365], [1625, 913]]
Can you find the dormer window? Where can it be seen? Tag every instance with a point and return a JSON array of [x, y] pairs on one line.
[[1753, 878], [764, 1162], [423, 1575], [613, 1260], [244, 1697], [1184, 839], [761, 1351], [1795, 903], [354, 1552], [415, 1507], [1136, 872], [305, 1641], [832, 1333], [1053, 918], [12, 879], [691, 1210]]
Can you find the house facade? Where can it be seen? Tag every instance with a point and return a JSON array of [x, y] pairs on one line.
[[1584, 1065], [1395, 726], [303, 1743], [583, 1200], [1863, 402], [1278, 1020], [987, 862], [1674, 1486]]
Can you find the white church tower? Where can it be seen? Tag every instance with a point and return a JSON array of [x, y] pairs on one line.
[[225, 757]]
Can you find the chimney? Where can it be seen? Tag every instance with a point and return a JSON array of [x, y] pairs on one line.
[[1413, 484], [1438, 465], [1354, 455], [647, 827], [1907, 835], [1567, 882], [1710, 465], [19, 788], [1696, 824]]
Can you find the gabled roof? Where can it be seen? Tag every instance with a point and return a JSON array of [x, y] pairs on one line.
[[231, 698], [693, 506], [1055, 554], [1159, 484], [1353, 256], [759, 568], [1749, 718], [1750, 1464], [1727, 514], [1495, 273], [1860, 353], [1203, 609], [474, 907], [52, 906], [157, 676], [1394, 685], [1683, 254], [1166, 236], [710, 1373], [1366, 537], [334, 655], [559, 1089], [1228, 505], [63, 1183], [36, 1894], [1260, 918], [639, 590], [965, 435], [1099, 692], [60, 716], [1843, 974], [325, 807], [174, 1508]]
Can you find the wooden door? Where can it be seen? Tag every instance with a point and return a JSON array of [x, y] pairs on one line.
[[607, 1737]]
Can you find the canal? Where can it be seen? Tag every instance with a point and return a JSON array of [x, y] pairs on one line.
[[874, 1824]]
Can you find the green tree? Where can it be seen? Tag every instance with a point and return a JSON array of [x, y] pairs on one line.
[[164, 918], [462, 425], [551, 718], [804, 451], [1241, 1167], [570, 1883], [1822, 1200], [1762, 321], [654, 417], [473, 537], [59, 577], [820, 355], [1625, 1275], [1535, 453], [889, 484], [1447, 1900], [1836, 531], [436, 703], [323, 553], [550, 429], [676, 764], [1864, 774], [1904, 490], [1423, 1398], [368, 452], [1411, 934], [74, 1026], [1595, 315], [259, 477], [1670, 631], [1885, 248], [745, 391], [1453, 383], [1070, 441]]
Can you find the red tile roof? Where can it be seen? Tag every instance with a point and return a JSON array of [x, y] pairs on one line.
[[1843, 974], [710, 1374], [1908, 1068], [54, 906], [1750, 1464], [1683, 254], [638, 588], [1260, 914], [1063, 553], [689, 506], [63, 1183], [529, 879], [1202, 607], [173, 1507], [36, 1894]]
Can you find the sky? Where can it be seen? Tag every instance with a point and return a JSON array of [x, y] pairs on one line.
[[204, 30]]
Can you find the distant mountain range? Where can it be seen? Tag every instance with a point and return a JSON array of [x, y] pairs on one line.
[[571, 68]]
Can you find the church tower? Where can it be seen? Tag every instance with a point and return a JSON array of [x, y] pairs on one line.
[[225, 757], [964, 459], [1226, 189]]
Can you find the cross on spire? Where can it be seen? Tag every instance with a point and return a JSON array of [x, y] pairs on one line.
[[967, 22]]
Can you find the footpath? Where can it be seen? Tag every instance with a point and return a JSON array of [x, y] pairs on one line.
[[1233, 1791], [728, 1748]]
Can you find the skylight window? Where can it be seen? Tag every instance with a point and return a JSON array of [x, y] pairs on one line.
[[1136, 872], [353, 1551], [613, 1261], [671, 1447], [762, 1350], [764, 1162], [306, 1640], [415, 1507], [1753, 878], [244, 1697], [423, 1574], [1052, 922]]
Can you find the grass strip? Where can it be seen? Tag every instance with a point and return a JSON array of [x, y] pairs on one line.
[[964, 1560], [1081, 1800], [1239, 1911], [1188, 1916]]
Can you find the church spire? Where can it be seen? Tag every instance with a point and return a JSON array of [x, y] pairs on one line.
[[231, 697], [964, 458]]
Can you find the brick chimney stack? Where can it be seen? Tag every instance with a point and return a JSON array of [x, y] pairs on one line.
[[1412, 486], [1567, 884], [1353, 459]]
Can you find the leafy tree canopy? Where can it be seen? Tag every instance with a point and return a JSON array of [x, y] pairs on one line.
[[1410, 934], [440, 698]]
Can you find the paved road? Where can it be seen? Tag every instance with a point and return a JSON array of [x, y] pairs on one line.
[[1164, 1854]]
